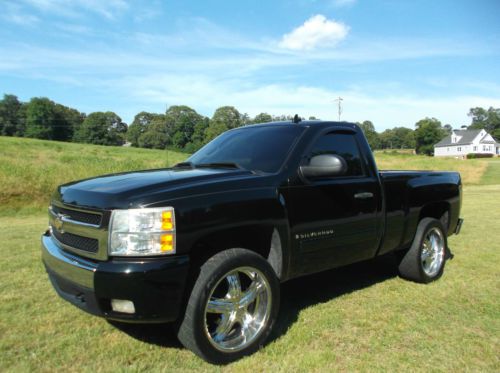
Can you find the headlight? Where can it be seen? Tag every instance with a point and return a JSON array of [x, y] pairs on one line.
[[142, 232]]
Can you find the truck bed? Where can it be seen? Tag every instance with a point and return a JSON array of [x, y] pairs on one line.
[[410, 194]]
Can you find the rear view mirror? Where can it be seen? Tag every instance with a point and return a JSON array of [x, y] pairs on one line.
[[325, 165]]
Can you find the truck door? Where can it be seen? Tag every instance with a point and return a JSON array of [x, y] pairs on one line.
[[334, 220]]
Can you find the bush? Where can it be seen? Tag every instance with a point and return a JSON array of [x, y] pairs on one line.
[[479, 155]]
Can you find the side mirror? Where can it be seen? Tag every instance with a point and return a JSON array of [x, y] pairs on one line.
[[324, 165]]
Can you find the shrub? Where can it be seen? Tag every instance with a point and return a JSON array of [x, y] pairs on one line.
[[479, 155]]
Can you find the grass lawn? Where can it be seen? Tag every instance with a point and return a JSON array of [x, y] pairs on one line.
[[492, 174], [359, 318]]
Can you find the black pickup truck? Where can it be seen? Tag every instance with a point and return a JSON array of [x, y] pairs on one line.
[[205, 244]]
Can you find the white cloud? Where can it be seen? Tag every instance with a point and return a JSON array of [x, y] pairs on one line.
[[317, 31]]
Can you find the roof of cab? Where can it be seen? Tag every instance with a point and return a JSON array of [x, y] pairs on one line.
[[306, 123]]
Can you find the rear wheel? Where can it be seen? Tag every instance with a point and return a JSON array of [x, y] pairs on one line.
[[232, 307], [424, 262]]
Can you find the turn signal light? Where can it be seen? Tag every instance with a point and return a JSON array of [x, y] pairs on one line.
[[167, 222], [167, 242]]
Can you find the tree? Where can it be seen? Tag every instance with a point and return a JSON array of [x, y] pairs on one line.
[[182, 122], [448, 129], [213, 130], [262, 118], [397, 138], [409, 141], [486, 119], [283, 118], [224, 118], [157, 134], [40, 118], [428, 132], [227, 115], [152, 140], [371, 135], [102, 128], [10, 116], [198, 137], [67, 120], [139, 126], [245, 119]]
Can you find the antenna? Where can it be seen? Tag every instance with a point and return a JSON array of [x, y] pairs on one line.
[[339, 103], [166, 145]]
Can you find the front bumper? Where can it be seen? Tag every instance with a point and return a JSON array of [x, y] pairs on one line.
[[154, 285]]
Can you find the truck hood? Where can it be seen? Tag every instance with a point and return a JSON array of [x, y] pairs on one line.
[[139, 188]]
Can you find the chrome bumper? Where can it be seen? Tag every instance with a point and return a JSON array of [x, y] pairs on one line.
[[72, 268]]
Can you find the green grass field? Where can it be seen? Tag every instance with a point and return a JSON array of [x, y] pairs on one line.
[[360, 318], [31, 169]]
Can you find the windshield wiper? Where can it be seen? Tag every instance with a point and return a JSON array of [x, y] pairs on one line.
[[219, 165]]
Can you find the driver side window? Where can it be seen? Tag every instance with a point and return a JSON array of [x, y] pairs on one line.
[[341, 144]]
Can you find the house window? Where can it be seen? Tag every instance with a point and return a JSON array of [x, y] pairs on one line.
[[475, 148], [484, 148], [447, 149], [459, 148]]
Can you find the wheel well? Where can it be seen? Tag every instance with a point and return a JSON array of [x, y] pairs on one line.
[[438, 210], [264, 240]]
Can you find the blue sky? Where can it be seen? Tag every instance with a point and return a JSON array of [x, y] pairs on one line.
[[393, 62]]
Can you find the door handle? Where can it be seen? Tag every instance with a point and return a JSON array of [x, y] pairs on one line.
[[363, 195]]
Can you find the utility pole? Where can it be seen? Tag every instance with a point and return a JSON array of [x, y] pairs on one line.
[[339, 103]]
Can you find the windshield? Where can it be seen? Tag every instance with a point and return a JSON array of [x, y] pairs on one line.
[[253, 148]]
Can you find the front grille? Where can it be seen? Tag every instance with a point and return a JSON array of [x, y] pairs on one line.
[[76, 242], [79, 216]]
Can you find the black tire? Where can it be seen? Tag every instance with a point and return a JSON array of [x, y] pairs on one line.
[[193, 330], [412, 265]]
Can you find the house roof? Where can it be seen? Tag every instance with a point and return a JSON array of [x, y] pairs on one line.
[[483, 141], [467, 137]]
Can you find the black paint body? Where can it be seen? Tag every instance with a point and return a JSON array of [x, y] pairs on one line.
[[319, 224]]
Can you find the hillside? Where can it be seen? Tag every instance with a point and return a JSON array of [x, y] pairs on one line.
[[31, 169]]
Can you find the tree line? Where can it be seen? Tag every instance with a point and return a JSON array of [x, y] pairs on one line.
[[182, 128]]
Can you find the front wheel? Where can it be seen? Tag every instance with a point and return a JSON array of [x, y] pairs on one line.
[[424, 262], [232, 307]]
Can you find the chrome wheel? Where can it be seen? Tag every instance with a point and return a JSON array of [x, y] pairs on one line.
[[432, 254], [238, 309]]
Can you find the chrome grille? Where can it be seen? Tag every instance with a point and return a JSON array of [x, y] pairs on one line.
[[75, 241], [79, 216], [79, 231]]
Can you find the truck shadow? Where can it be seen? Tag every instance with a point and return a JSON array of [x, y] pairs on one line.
[[157, 334], [296, 295], [300, 293]]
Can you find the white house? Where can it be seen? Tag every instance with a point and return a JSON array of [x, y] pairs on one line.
[[462, 142]]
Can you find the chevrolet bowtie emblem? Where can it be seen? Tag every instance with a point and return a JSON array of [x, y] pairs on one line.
[[59, 222]]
